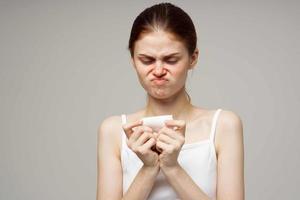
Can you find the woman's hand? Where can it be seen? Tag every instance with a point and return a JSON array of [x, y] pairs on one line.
[[141, 139], [170, 139]]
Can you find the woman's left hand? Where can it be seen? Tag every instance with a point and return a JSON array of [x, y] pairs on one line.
[[170, 139]]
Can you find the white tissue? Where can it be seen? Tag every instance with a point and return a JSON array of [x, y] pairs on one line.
[[156, 122]]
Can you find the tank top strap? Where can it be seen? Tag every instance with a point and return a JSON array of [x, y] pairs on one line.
[[123, 119], [214, 124], [123, 135]]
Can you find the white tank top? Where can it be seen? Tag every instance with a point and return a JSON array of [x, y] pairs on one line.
[[197, 159]]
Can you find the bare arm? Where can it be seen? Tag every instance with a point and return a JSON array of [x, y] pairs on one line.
[[230, 181], [184, 185], [230, 145], [109, 179], [142, 184]]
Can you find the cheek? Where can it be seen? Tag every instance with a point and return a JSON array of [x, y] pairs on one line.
[[180, 79], [179, 73], [142, 76], [140, 70]]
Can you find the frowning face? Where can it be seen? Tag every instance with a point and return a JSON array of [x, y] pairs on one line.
[[161, 62]]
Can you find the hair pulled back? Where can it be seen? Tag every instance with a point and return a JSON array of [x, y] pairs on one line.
[[166, 17]]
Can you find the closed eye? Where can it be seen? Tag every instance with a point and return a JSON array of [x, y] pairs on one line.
[[147, 62], [171, 61]]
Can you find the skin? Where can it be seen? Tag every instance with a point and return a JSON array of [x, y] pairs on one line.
[[191, 124]]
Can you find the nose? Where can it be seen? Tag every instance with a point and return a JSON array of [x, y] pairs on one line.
[[159, 69]]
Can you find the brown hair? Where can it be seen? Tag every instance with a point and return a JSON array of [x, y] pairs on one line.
[[169, 18]]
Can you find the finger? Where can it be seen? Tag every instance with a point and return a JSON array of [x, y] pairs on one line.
[[129, 126], [149, 143], [159, 150], [180, 124], [169, 132], [139, 131], [143, 138], [136, 134], [163, 146], [166, 139], [146, 128]]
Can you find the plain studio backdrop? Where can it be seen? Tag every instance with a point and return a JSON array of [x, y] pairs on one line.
[[65, 67]]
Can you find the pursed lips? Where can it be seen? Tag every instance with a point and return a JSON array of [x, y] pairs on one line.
[[159, 80]]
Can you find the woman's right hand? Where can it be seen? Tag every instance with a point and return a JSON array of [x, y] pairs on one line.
[[140, 141]]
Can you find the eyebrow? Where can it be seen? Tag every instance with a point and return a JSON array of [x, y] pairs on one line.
[[167, 56]]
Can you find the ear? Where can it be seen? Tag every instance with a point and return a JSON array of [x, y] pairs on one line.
[[194, 58]]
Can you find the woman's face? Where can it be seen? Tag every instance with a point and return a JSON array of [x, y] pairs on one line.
[[162, 62]]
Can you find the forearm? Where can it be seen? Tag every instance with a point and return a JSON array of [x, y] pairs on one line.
[[142, 184], [183, 184]]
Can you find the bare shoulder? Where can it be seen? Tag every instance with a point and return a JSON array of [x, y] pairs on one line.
[[110, 122], [229, 121], [109, 131], [229, 129]]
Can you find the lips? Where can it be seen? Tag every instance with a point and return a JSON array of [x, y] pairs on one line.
[[159, 81]]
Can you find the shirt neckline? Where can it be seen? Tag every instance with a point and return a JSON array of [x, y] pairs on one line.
[[194, 144]]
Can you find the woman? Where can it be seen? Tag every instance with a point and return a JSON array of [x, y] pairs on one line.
[[202, 158]]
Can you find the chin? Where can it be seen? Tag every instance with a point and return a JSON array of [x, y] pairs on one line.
[[161, 94]]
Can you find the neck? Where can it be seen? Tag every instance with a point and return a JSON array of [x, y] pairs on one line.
[[177, 105]]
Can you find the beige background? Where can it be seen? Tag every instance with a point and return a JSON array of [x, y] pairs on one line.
[[64, 67]]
